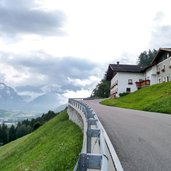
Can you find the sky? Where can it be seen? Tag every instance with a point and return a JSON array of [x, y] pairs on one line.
[[66, 46]]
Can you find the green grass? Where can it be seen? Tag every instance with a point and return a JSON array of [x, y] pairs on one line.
[[156, 98], [53, 147]]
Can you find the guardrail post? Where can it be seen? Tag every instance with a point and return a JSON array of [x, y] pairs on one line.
[[91, 133], [89, 114], [82, 164], [92, 121], [88, 144], [89, 161]]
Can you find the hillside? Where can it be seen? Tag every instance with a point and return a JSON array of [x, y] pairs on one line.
[[54, 146], [156, 98]]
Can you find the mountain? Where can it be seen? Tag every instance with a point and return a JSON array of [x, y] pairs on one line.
[[60, 108], [48, 101], [9, 99]]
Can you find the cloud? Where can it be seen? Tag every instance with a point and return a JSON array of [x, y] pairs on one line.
[[92, 80], [2, 77], [52, 68], [26, 17], [30, 88], [159, 16], [39, 73], [77, 94], [161, 36], [161, 32]]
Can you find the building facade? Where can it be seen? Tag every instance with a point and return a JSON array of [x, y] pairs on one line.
[[129, 78]]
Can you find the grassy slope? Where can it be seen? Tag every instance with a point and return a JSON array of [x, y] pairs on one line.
[[155, 98], [54, 146]]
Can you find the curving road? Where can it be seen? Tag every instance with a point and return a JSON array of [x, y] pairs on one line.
[[141, 139]]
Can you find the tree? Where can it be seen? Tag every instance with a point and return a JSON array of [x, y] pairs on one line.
[[21, 131], [146, 57], [36, 125], [3, 134], [102, 89], [1, 139], [12, 133], [23, 128]]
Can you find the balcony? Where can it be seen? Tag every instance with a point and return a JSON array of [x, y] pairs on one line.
[[142, 83], [112, 86]]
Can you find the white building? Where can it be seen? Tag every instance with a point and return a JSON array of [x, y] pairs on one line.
[[129, 78]]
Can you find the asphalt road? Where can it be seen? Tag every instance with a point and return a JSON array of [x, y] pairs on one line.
[[141, 139]]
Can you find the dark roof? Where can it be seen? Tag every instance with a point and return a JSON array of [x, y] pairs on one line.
[[166, 49], [114, 68], [126, 68], [159, 53], [149, 66]]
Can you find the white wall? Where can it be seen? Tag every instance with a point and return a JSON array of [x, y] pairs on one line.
[[151, 75], [122, 79], [167, 73]]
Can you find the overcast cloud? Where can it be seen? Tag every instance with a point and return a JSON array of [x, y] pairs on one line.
[[161, 32], [44, 73], [161, 36], [51, 67], [25, 17]]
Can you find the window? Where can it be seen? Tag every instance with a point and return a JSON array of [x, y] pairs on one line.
[[128, 90], [158, 71], [130, 81], [167, 78], [163, 68]]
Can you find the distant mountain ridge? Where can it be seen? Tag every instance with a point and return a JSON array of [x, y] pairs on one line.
[[11, 100], [46, 101]]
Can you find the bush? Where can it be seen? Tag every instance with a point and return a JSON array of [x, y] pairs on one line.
[[36, 125]]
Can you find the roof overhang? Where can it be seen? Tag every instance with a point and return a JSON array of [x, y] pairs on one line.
[[110, 73], [159, 53]]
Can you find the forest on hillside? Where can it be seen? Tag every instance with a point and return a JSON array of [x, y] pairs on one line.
[[23, 128]]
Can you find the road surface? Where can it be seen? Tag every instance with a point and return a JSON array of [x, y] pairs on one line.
[[141, 139]]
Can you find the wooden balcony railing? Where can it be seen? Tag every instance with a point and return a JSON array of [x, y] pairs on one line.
[[142, 83]]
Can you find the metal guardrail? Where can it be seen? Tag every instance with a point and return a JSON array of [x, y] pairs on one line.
[[94, 153]]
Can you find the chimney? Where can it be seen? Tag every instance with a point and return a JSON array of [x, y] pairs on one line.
[[117, 62]]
